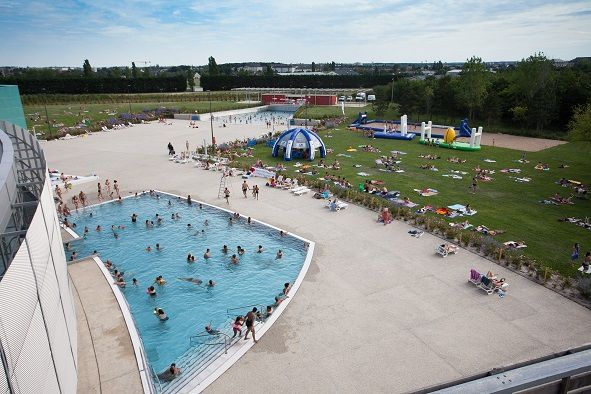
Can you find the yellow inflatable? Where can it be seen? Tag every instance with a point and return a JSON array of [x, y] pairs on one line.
[[450, 135]]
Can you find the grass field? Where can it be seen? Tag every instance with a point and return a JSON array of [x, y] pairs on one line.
[[321, 112], [502, 203], [72, 114]]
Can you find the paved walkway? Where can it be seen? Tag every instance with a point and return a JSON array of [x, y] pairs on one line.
[[106, 360], [378, 310]]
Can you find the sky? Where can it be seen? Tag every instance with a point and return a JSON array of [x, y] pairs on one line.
[[42, 33]]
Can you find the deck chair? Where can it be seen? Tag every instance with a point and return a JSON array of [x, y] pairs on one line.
[[441, 250], [301, 191]]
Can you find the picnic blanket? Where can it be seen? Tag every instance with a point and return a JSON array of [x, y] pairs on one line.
[[363, 174], [490, 161], [511, 170], [462, 209], [400, 201], [426, 192]]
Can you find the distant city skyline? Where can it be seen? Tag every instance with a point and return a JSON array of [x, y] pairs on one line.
[[43, 33]]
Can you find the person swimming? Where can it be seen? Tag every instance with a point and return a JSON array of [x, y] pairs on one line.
[[211, 331], [159, 312], [260, 249], [234, 259], [210, 283], [196, 281], [207, 254], [151, 291], [225, 249], [279, 254]]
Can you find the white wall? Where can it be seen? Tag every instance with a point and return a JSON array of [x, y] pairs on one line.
[[37, 318]]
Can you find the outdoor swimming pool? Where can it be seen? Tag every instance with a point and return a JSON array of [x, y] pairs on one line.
[[256, 280], [277, 118]]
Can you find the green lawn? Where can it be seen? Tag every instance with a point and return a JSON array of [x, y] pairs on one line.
[[72, 114], [501, 204]]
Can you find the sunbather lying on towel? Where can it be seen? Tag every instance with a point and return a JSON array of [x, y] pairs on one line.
[[484, 230], [515, 245]]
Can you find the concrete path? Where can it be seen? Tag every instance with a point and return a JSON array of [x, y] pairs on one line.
[[378, 310], [106, 360]]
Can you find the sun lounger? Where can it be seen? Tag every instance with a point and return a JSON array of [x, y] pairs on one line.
[[336, 206], [446, 249], [297, 189], [301, 191], [489, 285]]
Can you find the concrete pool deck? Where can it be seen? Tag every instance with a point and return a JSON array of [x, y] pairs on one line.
[[377, 311], [106, 358]]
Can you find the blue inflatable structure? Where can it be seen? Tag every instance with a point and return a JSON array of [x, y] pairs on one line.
[[299, 143], [362, 123]]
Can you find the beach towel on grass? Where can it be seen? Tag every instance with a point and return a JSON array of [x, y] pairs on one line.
[[426, 192], [363, 174], [453, 176]]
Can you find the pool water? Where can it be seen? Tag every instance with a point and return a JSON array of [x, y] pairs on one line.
[[256, 280], [277, 118]]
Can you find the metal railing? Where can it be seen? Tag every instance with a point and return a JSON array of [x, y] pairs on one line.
[[22, 176]]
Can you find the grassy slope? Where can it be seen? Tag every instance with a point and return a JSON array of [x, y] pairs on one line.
[[501, 204], [68, 113]]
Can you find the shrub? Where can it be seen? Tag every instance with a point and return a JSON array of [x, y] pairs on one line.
[[584, 286], [488, 245]]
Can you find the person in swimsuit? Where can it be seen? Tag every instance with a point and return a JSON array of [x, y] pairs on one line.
[[237, 326], [250, 318], [207, 254], [211, 331], [234, 259]]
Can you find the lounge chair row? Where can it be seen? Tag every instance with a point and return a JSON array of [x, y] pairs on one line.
[[487, 283]]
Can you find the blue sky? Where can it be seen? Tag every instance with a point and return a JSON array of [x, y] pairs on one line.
[[109, 32]]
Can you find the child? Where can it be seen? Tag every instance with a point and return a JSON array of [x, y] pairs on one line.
[[237, 326]]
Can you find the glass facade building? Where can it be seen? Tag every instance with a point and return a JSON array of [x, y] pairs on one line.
[[11, 109]]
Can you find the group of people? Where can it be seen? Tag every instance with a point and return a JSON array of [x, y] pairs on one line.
[[110, 193], [254, 315]]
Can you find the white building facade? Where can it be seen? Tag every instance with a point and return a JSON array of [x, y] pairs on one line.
[[38, 335]]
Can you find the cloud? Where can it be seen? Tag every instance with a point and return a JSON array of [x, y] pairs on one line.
[[62, 32]]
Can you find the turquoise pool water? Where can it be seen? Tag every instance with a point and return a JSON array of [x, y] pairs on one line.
[[256, 280], [278, 118]]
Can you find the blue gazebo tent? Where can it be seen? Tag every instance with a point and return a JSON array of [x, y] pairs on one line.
[[299, 143]]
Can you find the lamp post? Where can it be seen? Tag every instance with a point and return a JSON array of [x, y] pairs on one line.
[[129, 97], [211, 119], [392, 93], [46, 114]]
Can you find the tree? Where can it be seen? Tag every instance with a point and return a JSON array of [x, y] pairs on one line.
[[87, 69], [579, 127], [473, 85], [313, 67], [333, 66], [268, 71], [190, 80], [534, 85], [212, 66], [133, 70]]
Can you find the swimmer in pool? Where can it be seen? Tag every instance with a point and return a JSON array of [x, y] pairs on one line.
[[225, 249], [159, 312], [279, 254], [196, 281], [149, 248], [207, 254], [211, 331], [260, 249], [234, 259], [210, 283]]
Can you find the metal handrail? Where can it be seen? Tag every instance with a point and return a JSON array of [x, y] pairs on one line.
[[156, 379], [259, 307]]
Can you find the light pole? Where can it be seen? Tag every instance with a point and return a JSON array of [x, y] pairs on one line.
[[211, 119], [392, 94], [46, 114]]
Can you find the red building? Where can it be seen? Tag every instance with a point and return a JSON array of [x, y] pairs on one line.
[[282, 98]]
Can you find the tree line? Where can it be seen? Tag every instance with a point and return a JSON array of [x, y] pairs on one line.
[[532, 95], [81, 85], [227, 82]]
